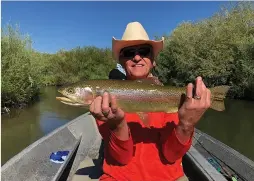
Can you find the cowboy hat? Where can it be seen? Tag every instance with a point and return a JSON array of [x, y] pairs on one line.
[[135, 34]]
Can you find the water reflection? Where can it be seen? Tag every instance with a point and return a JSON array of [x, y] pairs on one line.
[[23, 127], [19, 130], [234, 126], [50, 121]]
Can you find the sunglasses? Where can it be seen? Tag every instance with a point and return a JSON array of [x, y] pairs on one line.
[[130, 52]]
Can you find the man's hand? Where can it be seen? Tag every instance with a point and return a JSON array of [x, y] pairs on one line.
[[192, 109], [101, 109], [114, 116]]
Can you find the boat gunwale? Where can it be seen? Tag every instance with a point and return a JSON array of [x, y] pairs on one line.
[[224, 146], [26, 150]]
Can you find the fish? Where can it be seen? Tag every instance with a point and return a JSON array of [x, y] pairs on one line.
[[135, 96]]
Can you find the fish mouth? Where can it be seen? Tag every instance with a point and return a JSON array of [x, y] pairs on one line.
[[68, 101], [65, 99]]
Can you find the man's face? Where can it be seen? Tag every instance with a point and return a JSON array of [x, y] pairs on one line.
[[137, 61]]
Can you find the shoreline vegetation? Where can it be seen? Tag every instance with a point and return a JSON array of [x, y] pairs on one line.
[[220, 49]]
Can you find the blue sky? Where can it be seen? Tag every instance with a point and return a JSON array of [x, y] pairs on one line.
[[65, 25]]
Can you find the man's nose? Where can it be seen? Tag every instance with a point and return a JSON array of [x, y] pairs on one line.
[[137, 58]]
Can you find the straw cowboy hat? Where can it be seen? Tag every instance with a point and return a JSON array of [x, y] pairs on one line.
[[135, 34]]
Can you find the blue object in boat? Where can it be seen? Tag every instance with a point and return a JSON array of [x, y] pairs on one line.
[[59, 156], [214, 163]]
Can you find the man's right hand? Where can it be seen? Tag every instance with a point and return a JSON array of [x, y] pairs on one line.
[[101, 110]]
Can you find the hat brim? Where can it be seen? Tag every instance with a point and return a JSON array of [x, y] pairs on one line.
[[117, 45]]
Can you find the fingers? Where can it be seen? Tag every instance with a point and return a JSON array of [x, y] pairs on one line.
[[200, 92], [113, 104], [189, 91], [202, 95], [105, 104], [208, 98], [97, 107], [117, 112], [101, 109], [199, 88], [189, 95]]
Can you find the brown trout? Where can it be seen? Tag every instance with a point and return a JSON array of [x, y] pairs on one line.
[[135, 96]]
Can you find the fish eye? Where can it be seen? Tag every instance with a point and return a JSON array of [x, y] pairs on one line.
[[70, 90]]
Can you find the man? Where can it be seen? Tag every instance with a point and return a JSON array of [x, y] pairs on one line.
[[132, 150]]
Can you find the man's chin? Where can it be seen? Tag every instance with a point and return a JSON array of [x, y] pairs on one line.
[[138, 76]]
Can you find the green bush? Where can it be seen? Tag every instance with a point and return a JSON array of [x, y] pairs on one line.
[[220, 49], [19, 86], [78, 64]]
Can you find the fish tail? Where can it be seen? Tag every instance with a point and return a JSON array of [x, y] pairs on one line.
[[218, 95]]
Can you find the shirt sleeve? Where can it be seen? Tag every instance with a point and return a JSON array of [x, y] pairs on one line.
[[118, 151], [172, 148]]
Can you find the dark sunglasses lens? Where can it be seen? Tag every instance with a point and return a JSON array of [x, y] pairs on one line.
[[143, 52], [129, 53]]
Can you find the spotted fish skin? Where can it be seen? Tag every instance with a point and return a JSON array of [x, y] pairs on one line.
[[135, 96]]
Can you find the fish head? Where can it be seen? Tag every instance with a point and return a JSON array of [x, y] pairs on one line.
[[76, 95]]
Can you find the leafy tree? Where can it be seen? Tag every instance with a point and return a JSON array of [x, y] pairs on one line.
[[220, 49]]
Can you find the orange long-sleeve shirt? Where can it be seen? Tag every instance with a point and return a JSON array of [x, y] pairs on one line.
[[150, 154]]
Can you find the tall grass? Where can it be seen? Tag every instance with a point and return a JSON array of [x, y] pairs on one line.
[[19, 85]]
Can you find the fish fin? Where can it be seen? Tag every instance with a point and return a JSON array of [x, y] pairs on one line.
[[172, 110], [144, 118], [218, 105], [218, 95], [155, 80]]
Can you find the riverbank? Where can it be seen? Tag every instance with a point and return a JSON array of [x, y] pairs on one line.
[[20, 106]]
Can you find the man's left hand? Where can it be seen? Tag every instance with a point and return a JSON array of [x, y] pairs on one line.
[[195, 106]]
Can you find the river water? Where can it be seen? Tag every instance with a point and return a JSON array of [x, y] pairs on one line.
[[234, 126]]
